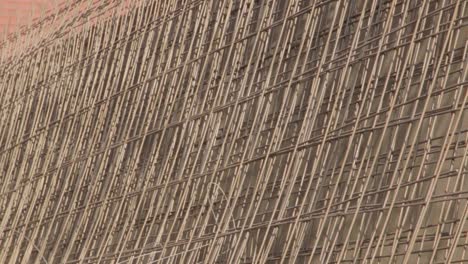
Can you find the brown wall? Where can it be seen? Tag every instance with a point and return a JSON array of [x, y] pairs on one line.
[[14, 13]]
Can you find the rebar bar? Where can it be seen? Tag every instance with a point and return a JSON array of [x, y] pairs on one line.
[[243, 131]]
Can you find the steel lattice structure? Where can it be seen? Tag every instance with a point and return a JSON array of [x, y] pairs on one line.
[[243, 131]]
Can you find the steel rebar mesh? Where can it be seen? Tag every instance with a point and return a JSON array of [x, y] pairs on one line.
[[246, 131]]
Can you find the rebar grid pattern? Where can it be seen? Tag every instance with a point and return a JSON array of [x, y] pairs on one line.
[[246, 131]]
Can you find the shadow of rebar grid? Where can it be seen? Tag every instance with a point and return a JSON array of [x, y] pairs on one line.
[[236, 131]]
